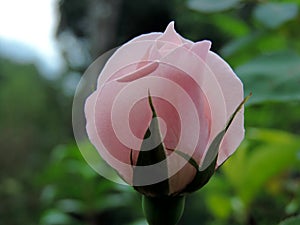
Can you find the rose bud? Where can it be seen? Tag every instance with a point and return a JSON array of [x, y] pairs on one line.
[[166, 113]]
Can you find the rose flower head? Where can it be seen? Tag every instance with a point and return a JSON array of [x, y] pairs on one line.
[[166, 113]]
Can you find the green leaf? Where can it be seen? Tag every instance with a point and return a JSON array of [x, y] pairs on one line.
[[212, 6], [219, 204], [291, 221], [250, 169], [272, 77], [239, 44], [139, 222], [231, 25], [55, 217], [149, 155], [274, 14], [71, 206], [218, 197]]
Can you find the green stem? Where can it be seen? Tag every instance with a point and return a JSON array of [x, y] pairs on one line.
[[163, 210]]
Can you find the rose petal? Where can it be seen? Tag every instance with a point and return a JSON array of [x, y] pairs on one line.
[[183, 177], [91, 113], [232, 89], [146, 37], [139, 73], [201, 48], [198, 70]]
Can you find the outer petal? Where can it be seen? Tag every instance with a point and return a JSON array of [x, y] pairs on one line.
[[201, 48], [92, 127], [146, 37], [232, 89]]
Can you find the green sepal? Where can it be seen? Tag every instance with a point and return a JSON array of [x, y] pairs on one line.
[[163, 210], [213, 149], [188, 158], [148, 157], [201, 178]]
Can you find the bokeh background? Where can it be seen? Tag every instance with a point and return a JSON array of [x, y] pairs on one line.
[[45, 47]]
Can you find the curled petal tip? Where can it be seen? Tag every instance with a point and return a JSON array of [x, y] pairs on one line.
[[171, 25], [170, 28], [170, 35]]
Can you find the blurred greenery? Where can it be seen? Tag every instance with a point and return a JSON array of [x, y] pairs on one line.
[[291, 221], [45, 180]]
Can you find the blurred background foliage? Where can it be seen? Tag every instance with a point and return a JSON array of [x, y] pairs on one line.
[[44, 179]]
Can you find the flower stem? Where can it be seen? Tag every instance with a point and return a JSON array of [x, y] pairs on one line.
[[163, 210]]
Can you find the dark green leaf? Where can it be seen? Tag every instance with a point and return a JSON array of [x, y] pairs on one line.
[[251, 168], [291, 221]]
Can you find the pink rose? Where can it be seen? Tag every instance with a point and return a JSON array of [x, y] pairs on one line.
[[194, 92]]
